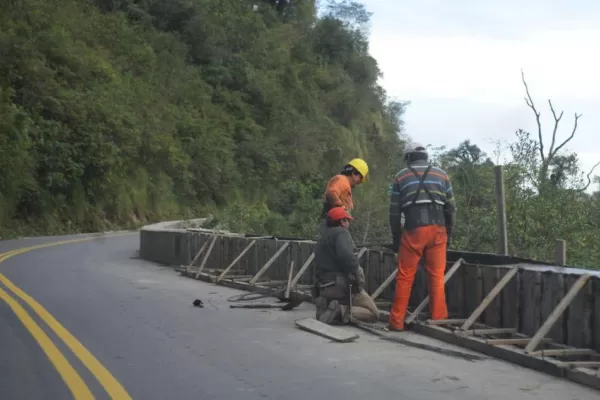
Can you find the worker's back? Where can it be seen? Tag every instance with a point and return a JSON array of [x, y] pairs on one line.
[[422, 201]]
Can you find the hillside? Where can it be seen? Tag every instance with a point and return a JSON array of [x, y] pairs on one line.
[[116, 113], [119, 112]]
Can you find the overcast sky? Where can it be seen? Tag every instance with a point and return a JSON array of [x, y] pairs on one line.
[[459, 63]]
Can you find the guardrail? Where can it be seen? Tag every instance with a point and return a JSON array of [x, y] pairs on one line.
[[535, 314]]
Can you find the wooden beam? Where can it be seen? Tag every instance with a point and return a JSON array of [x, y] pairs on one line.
[[562, 352], [496, 342], [384, 285], [485, 331], [237, 259], [288, 288], [303, 270], [579, 364], [557, 312], [197, 256], [270, 262], [425, 301], [445, 321], [212, 244], [361, 252], [489, 298]]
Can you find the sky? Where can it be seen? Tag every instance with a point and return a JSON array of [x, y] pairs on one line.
[[459, 64]]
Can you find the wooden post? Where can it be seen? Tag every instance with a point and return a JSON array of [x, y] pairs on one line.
[[501, 205], [288, 289], [561, 252]]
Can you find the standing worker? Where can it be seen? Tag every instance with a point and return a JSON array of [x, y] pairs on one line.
[[423, 194], [338, 275], [339, 188]]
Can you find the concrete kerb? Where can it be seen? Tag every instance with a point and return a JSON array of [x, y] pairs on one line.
[[167, 242]]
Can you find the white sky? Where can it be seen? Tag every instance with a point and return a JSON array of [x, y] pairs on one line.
[[459, 63]]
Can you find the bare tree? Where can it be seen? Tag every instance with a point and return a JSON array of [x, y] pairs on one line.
[[547, 158]]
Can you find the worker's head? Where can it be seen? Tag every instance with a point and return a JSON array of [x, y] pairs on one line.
[[357, 170], [415, 152], [338, 216]]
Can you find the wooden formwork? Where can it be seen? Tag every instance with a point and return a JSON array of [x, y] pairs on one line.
[[537, 351], [269, 267]]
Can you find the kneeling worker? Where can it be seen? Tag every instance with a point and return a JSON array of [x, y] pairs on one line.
[[338, 272]]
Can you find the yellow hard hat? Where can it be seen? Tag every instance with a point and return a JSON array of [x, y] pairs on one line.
[[361, 166]]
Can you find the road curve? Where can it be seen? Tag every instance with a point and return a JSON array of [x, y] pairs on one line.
[[136, 320]]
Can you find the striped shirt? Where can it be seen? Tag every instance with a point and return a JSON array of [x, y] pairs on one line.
[[436, 188]]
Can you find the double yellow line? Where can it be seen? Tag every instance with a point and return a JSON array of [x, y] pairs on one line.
[[74, 382]]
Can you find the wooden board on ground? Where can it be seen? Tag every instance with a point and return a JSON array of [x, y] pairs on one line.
[[328, 331]]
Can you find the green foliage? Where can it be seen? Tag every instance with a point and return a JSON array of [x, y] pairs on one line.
[[116, 113]]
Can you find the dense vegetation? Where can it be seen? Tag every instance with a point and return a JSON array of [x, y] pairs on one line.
[[114, 113]]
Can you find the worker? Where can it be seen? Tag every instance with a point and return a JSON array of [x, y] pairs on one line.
[[338, 274], [422, 194], [339, 188]]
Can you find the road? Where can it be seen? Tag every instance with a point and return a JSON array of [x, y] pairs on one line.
[[136, 320]]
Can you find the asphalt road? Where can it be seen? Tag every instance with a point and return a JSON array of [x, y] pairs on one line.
[[136, 319]]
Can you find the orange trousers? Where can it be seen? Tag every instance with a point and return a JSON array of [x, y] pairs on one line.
[[429, 241]]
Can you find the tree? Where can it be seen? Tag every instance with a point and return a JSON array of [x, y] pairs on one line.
[[550, 167]]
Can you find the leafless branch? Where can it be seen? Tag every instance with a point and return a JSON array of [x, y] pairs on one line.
[[556, 122], [529, 102], [567, 140], [589, 177]]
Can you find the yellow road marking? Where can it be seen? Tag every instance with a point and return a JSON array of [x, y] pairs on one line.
[[110, 384], [76, 385]]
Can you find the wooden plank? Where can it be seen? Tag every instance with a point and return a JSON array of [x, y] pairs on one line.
[[491, 315], [553, 289], [445, 321], [486, 331], [270, 262], [580, 364], [288, 288], [510, 302], [474, 287], [327, 331], [596, 315], [303, 269], [579, 318], [530, 302], [212, 244], [425, 301], [489, 298], [236, 260], [197, 256], [497, 342], [562, 306], [562, 352]]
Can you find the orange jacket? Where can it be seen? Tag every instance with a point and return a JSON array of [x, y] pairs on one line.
[[339, 193]]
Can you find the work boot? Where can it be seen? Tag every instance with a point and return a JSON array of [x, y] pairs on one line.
[[331, 313]]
